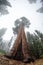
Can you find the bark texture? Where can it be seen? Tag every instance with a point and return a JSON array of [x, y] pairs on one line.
[[20, 49]]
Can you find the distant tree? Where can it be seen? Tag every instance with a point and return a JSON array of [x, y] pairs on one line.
[[3, 7], [24, 21], [2, 32], [36, 44], [32, 1], [40, 38], [39, 34], [10, 42], [40, 10]]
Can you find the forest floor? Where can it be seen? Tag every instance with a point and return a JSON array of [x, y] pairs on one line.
[[6, 61]]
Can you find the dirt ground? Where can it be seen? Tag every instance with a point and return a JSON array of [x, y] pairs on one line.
[[6, 61]]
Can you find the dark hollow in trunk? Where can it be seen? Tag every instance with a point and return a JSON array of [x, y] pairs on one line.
[[19, 54]]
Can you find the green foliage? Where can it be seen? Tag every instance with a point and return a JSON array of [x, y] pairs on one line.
[[40, 9], [36, 44], [2, 52], [22, 21], [3, 6], [41, 56]]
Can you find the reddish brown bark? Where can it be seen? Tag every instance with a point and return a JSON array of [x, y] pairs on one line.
[[24, 45], [21, 40], [16, 43]]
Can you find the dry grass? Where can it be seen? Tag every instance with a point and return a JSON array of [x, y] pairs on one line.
[[6, 61]]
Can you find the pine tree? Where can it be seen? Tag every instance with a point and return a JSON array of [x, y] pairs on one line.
[[3, 7]]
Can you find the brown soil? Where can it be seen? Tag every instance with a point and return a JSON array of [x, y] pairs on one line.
[[6, 61]]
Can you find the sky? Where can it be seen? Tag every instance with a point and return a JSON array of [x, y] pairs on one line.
[[19, 9]]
